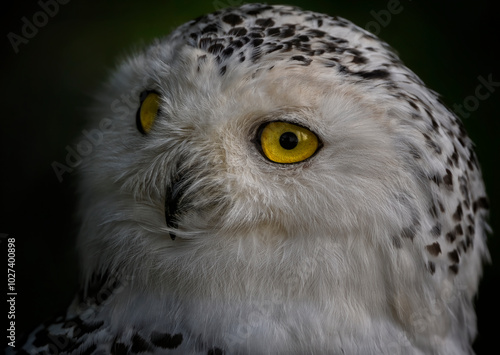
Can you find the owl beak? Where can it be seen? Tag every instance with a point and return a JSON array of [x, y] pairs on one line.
[[172, 200]]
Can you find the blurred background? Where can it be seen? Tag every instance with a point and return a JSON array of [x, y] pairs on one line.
[[49, 73]]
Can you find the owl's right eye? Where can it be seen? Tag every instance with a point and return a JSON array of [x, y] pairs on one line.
[[148, 110]]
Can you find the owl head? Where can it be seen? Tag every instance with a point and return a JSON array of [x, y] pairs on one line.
[[266, 149]]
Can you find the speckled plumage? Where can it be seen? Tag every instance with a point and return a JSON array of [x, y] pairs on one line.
[[374, 245]]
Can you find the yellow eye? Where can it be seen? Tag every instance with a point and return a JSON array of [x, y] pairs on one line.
[[286, 143], [146, 115]]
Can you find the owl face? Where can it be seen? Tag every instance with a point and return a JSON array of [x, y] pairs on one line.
[[268, 148], [260, 169]]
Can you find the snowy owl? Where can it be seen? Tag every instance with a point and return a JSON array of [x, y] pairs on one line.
[[268, 180]]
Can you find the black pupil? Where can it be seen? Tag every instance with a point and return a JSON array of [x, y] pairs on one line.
[[288, 140]]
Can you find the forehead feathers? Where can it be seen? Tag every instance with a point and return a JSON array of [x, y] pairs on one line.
[[258, 36]]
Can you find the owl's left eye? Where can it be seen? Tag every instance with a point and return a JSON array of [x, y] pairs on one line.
[[286, 143], [148, 110]]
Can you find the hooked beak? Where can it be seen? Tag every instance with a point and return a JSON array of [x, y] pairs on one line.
[[173, 196]]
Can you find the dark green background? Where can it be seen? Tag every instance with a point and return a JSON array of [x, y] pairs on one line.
[[48, 85]]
